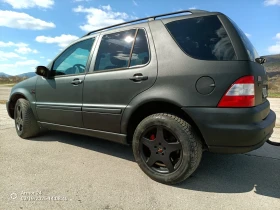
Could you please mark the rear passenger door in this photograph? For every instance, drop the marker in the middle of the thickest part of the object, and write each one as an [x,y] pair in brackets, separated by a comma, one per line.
[123,66]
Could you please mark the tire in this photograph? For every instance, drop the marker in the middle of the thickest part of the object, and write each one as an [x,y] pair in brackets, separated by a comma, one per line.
[162,146]
[25,122]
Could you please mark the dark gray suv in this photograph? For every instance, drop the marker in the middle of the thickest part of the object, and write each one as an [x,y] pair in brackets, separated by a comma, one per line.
[171,85]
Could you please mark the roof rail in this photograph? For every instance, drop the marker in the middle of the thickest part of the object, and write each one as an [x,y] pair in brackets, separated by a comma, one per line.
[147,18]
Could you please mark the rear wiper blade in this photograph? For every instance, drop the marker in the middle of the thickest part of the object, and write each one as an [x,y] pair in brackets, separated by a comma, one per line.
[260,60]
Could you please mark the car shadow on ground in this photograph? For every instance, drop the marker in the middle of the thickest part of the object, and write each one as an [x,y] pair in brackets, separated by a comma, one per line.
[236,174]
[86,142]
[217,173]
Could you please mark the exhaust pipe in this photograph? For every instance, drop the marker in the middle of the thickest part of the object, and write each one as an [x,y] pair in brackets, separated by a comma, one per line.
[273,143]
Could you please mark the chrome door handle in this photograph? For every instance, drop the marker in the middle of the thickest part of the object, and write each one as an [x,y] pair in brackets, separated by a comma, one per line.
[138,77]
[76,82]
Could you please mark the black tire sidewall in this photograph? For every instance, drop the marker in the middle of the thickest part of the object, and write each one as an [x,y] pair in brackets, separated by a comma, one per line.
[171,124]
[30,127]
[18,103]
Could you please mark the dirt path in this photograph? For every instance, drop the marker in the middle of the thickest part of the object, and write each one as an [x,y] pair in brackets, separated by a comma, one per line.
[4,92]
[275,106]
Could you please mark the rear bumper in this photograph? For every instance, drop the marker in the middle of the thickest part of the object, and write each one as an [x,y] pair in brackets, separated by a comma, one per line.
[234,130]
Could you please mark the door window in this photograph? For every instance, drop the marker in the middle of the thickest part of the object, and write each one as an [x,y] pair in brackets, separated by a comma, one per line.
[114,50]
[74,59]
[117,51]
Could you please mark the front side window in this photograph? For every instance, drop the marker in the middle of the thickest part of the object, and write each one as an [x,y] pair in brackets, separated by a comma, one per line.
[74,59]
[117,50]
[202,38]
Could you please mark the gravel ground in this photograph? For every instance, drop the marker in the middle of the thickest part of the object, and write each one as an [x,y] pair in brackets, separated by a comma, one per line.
[89,173]
[4,92]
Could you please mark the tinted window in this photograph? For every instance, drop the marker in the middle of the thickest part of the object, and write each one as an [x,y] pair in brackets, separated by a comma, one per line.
[252,53]
[202,38]
[114,50]
[74,59]
[140,54]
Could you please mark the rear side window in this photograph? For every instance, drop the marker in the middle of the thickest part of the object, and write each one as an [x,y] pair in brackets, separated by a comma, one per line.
[202,38]
[252,53]
[117,50]
[140,54]
[114,50]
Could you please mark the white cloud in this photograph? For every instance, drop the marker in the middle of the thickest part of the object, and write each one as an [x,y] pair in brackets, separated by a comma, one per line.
[21,20]
[21,48]
[275,49]
[12,44]
[19,67]
[271,2]
[100,17]
[135,3]
[24,4]
[62,41]
[21,63]
[192,8]
[248,35]
[108,7]
[25,50]
[4,56]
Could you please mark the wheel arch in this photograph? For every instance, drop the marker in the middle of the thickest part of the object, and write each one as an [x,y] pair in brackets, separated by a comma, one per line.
[133,116]
[14,98]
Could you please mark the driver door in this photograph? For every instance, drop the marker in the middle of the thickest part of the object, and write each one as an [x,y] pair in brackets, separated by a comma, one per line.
[59,99]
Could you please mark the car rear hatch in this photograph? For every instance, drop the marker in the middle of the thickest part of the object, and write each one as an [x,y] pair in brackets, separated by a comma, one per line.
[217,59]
[258,70]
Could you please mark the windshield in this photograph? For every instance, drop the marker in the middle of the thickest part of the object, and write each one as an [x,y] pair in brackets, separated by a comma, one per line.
[252,53]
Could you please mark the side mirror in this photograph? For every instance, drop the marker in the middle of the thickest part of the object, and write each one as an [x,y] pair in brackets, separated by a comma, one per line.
[43,71]
[260,60]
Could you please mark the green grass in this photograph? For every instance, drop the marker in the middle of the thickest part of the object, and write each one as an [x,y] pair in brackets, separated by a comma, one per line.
[274,94]
[7,85]
[3,102]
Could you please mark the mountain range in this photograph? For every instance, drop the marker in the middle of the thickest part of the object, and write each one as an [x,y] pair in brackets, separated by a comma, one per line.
[28,75]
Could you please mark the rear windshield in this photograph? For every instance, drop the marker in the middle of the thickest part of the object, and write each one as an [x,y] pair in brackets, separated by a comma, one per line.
[252,53]
[202,38]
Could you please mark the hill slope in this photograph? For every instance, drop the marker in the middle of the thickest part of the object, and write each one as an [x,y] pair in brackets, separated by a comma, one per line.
[4,75]
[27,74]
[272,65]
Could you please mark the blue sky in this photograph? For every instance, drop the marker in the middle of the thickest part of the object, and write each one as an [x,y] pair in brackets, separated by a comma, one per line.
[33,32]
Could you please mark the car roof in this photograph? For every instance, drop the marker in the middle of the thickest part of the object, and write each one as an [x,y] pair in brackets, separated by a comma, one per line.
[151,18]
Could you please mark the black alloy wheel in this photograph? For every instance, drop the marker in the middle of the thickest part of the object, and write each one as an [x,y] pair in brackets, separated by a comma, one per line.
[19,118]
[161,150]
[166,148]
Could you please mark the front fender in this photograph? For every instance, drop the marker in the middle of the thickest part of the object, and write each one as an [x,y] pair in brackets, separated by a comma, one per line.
[25,89]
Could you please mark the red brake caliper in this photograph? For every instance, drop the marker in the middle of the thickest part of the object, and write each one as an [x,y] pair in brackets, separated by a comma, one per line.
[152,137]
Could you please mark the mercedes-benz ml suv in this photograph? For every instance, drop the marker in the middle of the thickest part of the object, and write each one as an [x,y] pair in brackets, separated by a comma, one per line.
[172,85]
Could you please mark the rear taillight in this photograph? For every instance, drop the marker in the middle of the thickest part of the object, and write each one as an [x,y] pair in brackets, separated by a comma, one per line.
[240,94]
